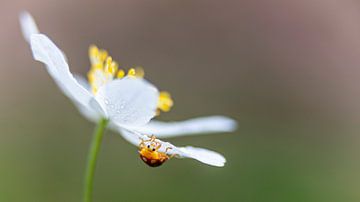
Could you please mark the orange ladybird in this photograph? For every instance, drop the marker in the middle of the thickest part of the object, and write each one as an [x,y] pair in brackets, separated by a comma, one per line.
[150,154]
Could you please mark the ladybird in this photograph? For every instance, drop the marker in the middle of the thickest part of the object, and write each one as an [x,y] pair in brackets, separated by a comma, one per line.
[150,154]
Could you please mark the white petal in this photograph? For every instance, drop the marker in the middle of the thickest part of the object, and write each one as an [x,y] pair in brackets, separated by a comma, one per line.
[202,125]
[89,113]
[44,50]
[132,137]
[128,102]
[28,25]
[83,82]
[203,155]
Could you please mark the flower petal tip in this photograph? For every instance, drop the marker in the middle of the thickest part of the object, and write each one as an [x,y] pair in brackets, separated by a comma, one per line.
[205,156]
[28,25]
[231,124]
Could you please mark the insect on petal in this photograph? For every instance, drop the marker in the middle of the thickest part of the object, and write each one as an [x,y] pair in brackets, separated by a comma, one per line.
[203,155]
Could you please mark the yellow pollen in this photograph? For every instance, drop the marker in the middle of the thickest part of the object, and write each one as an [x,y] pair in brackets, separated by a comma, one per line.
[120,74]
[139,72]
[111,66]
[131,73]
[108,61]
[93,51]
[164,102]
[103,55]
[104,69]
[99,66]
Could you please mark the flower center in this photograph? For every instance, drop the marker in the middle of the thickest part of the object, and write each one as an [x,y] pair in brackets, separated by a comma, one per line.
[104,69]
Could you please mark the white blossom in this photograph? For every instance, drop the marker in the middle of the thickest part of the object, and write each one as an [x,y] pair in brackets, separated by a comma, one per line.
[129,101]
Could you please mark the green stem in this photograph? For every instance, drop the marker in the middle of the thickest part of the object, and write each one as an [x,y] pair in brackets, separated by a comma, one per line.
[92,157]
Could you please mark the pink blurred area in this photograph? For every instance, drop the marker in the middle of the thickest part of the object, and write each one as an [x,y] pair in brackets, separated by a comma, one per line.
[287,71]
[300,54]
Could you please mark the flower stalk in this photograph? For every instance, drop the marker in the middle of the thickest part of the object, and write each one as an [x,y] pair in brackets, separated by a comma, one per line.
[92,158]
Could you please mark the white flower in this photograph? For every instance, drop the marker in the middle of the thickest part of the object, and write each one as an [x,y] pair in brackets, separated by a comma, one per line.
[128,101]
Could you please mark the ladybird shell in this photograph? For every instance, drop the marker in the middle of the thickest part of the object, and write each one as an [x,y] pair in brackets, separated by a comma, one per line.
[152,162]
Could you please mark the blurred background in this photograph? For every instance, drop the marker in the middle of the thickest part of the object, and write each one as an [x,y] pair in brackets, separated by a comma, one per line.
[287,71]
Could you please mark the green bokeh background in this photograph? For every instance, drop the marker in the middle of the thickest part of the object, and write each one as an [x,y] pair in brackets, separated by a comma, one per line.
[287,71]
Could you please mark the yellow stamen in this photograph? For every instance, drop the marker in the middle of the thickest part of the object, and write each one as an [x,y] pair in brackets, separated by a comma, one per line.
[165,102]
[104,69]
[93,51]
[110,66]
[120,74]
[131,73]
[99,66]
[103,55]
[139,72]
[113,67]
[108,61]
[94,90]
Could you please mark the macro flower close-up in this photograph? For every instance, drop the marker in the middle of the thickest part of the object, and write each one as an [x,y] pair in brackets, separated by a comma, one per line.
[126,102]
[179,101]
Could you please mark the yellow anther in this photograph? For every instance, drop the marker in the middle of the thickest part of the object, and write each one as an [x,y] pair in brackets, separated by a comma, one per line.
[120,74]
[110,66]
[94,89]
[98,66]
[93,51]
[113,67]
[132,73]
[165,102]
[108,61]
[139,72]
[104,69]
[97,56]
[103,55]
[91,77]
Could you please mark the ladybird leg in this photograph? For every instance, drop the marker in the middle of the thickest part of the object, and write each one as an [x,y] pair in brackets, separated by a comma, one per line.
[164,158]
[173,155]
[153,141]
[142,143]
[152,138]
[158,146]
[147,140]
[167,149]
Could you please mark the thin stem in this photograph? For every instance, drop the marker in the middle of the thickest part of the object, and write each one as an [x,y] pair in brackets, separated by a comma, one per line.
[92,157]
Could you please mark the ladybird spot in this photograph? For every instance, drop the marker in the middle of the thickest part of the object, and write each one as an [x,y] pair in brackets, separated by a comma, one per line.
[153,149]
